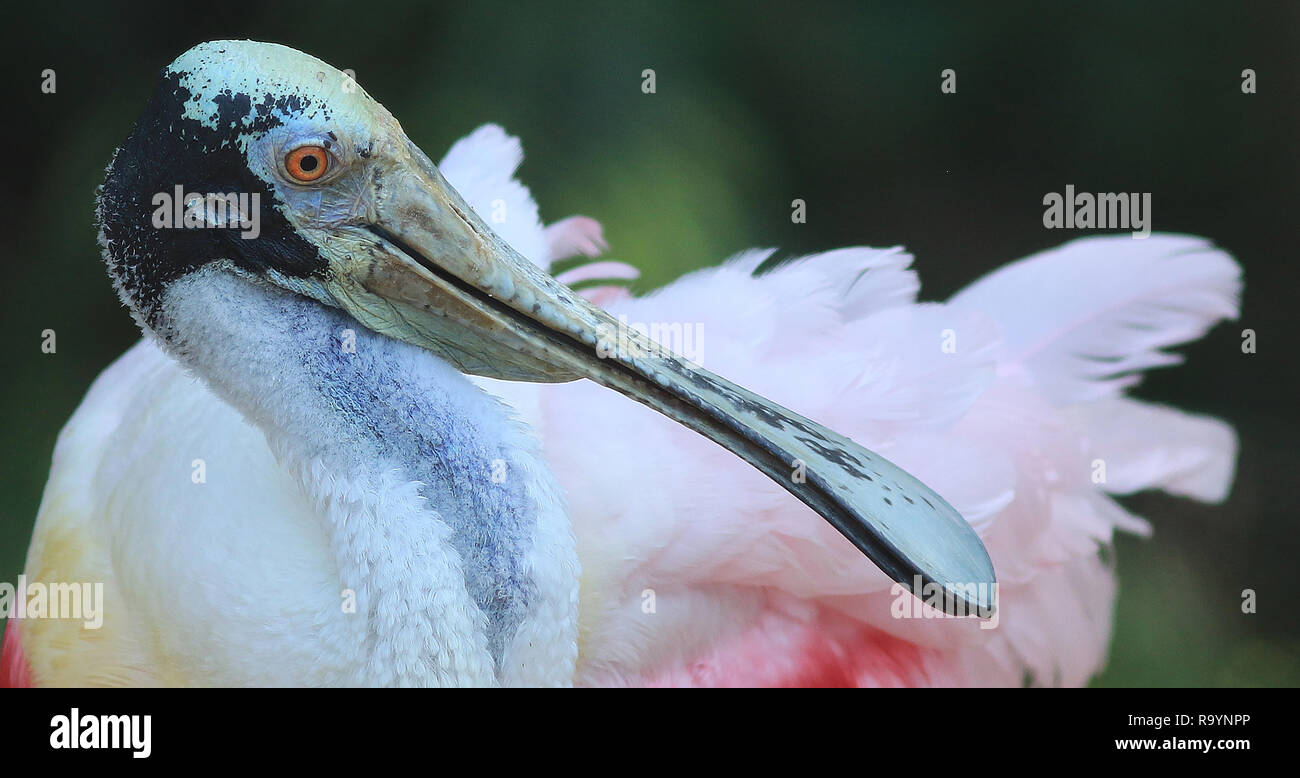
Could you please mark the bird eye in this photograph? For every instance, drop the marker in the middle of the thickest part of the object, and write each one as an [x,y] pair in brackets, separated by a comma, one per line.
[307,163]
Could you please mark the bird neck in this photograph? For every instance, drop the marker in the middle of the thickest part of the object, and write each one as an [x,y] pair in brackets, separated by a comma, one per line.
[447,528]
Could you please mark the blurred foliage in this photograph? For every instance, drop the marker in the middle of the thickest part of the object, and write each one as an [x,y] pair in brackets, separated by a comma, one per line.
[757,104]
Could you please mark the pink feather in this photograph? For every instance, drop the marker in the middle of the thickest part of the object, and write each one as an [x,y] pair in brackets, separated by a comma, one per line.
[751,588]
[14,673]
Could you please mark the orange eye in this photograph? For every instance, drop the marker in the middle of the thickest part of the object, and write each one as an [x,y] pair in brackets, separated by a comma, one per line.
[307,163]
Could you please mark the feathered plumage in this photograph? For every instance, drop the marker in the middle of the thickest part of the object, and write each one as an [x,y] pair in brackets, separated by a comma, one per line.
[697,570]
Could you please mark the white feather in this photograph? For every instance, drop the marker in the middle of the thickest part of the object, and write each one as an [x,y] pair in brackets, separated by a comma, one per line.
[1085,318]
[1147,446]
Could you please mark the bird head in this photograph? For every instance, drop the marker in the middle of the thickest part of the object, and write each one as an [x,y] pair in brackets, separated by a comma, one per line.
[278,167]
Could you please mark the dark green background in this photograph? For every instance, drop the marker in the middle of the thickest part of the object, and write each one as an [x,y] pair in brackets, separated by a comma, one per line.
[757,104]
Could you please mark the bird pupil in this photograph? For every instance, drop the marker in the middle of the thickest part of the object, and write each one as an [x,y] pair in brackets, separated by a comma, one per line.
[309,163]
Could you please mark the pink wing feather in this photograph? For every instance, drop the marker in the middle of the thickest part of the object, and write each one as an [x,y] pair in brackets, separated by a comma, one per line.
[703,572]
[697,570]
[14,673]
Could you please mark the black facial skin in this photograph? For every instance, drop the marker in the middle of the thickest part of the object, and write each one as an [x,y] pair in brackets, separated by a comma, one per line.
[165,149]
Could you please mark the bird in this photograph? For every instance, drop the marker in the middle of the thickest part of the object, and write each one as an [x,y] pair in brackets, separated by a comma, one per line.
[368,437]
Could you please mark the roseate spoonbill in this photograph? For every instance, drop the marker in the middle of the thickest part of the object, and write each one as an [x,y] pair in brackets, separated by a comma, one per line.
[291,480]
